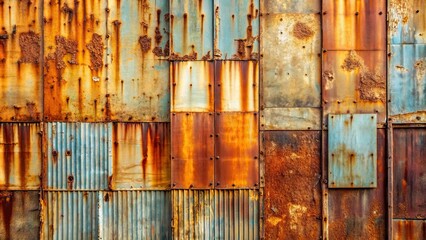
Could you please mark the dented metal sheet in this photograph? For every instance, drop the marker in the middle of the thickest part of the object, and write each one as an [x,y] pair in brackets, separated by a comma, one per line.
[78,156]
[290,119]
[20,61]
[354,82]
[20,156]
[192,86]
[407,83]
[237,150]
[409,171]
[19,215]
[354,25]
[407,21]
[237,86]
[74,58]
[192,150]
[352,151]
[292,184]
[291,6]
[191,30]
[236,25]
[409,229]
[141,156]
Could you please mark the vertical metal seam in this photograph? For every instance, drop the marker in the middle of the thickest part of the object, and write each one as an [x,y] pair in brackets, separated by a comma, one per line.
[390,179]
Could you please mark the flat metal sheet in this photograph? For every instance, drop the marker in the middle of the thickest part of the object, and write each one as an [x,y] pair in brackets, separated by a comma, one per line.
[409,229]
[407,21]
[291,6]
[352,151]
[290,119]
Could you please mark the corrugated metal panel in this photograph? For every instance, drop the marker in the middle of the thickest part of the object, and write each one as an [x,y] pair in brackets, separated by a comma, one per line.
[20,156]
[354,25]
[407,83]
[236,29]
[192,86]
[409,156]
[354,82]
[407,21]
[290,119]
[135,215]
[20,57]
[237,150]
[74,52]
[409,229]
[352,151]
[19,215]
[78,155]
[191,29]
[292,184]
[141,156]
[192,150]
[291,6]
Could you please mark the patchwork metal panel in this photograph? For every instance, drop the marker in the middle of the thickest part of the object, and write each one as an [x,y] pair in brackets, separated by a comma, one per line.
[290,119]
[74,58]
[352,151]
[291,6]
[354,25]
[135,215]
[192,86]
[141,156]
[407,83]
[191,30]
[237,86]
[354,82]
[409,161]
[192,150]
[237,150]
[20,156]
[236,29]
[78,156]
[291,77]
[407,21]
[21,96]
[20,215]
[292,184]
[409,229]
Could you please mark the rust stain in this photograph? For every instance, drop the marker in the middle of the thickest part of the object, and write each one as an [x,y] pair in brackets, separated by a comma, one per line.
[8,153]
[30,47]
[24,152]
[96,49]
[145,43]
[329,78]
[399,12]
[70,182]
[352,62]
[245,46]
[6,201]
[420,69]
[68,11]
[206,57]
[302,31]
[189,57]
[63,47]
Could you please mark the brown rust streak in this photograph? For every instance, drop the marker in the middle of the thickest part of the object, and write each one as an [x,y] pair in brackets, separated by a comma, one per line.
[245,46]
[24,132]
[8,154]
[6,201]
[302,31]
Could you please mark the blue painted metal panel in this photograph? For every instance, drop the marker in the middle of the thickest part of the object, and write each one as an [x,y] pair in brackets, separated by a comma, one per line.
[407,21]
[352,151]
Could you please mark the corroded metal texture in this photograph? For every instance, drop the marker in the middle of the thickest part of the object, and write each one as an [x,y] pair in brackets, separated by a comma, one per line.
[291,6]
[407,83]
[236,86]
[354,25]
[290,119]
[20,61]
[236,25]
[237,150]
[191,30]
[20,156]
[409,156]
[407,21]
[352,151]
[409,229]
[192,150]
[78,156]
[292,184]
[141,156]
[354,82]
[192,86]
[19,217]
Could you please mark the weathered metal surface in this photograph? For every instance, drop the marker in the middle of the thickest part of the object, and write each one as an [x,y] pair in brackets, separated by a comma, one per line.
[135,215]
[354,82]
[236,150]
[20,156]
[290,119]
[407,83]
[409,157]
[74,58]
[20,58]
[290,6]
[407,21]
[352,151]
[409,229]
[291,70]
[191,30]
[192,86]
[354,25]
[19,217]
[292,184]
[361,213]
[141,156]
[78,156]
[192,150]
[236,25]
[236,86]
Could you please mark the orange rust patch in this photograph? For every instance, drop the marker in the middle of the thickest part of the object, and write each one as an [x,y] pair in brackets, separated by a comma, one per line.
[302,31]
[190,57]
[352,62]
[30,47]
[372,86]
[145,43]
[63,47]
[96,49]
[206,57]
